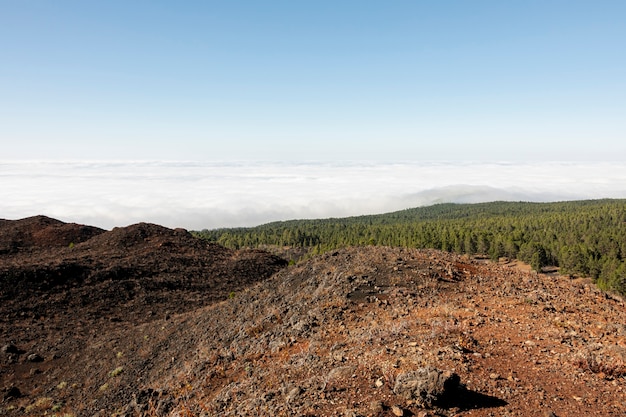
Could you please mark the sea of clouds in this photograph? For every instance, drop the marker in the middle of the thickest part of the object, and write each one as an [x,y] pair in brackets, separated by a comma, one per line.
[210,195]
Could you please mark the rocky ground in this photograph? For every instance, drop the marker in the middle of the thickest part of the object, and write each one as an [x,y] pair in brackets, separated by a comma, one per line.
[148,321]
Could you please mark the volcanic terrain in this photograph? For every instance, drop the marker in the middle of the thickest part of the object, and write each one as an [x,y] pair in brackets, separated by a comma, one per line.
[149,321]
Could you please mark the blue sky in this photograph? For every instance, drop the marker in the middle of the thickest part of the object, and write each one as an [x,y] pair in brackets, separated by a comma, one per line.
[313,80]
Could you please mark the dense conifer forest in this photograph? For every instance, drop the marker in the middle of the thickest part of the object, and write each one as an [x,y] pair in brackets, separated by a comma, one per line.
[584,238]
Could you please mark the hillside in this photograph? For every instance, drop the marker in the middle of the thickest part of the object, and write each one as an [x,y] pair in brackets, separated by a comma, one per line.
[200,330]
[65,287]
[584,238]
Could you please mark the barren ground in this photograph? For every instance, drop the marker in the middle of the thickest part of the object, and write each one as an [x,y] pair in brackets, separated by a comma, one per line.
[149,321]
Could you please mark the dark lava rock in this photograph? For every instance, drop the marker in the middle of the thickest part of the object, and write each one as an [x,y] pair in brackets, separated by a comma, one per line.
[10,393]
[126,270]
[42,232]
[10,349]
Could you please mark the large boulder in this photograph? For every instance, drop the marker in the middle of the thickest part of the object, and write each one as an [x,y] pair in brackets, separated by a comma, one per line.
[426,386]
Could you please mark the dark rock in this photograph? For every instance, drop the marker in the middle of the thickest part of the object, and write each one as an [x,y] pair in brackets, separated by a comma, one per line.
[11,393]
[146,399]
[426,386]
[10,348]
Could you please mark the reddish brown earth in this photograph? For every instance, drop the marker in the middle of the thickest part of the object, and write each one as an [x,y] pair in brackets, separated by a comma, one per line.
[148,321]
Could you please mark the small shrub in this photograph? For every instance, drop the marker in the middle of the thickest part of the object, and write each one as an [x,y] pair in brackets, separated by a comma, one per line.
[43,403]
[116,371]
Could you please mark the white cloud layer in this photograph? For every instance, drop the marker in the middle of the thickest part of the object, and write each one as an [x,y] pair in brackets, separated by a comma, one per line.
[210,195]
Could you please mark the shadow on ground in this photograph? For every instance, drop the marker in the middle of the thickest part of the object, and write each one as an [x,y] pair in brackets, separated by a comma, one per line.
[466,399]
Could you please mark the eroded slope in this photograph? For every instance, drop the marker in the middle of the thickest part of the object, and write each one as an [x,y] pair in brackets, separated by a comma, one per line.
[335,335]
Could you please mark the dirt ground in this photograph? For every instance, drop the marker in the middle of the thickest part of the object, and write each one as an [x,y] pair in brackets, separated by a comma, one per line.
[148,321]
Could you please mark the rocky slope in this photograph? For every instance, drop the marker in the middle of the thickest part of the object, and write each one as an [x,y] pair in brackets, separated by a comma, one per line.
[369,331]
[65,288]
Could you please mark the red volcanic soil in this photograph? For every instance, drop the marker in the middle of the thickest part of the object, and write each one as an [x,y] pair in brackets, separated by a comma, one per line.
[149,321]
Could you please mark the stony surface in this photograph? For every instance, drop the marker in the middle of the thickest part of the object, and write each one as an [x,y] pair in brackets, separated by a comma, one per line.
[337,335]
[427,386]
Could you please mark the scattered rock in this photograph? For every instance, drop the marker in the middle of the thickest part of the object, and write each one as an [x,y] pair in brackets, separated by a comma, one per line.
[293,393]
[397,411]
[34,357]
[341,372]
[284,346]
[149,400]
[426,386]
[376,407]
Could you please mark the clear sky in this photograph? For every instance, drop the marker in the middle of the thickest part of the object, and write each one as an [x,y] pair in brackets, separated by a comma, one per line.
[313,80]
